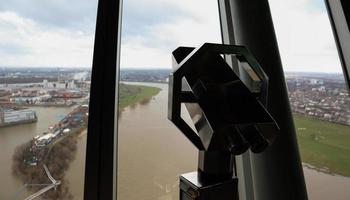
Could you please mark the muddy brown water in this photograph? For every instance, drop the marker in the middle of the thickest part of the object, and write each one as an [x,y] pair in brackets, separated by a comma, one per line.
[152,154]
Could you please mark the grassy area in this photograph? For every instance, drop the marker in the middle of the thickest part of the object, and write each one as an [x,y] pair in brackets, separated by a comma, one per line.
[131,94]
[324,144]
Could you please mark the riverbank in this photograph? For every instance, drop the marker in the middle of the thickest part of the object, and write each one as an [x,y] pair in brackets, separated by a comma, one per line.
[131,94]
[323,144]
[151,155]
[61,151]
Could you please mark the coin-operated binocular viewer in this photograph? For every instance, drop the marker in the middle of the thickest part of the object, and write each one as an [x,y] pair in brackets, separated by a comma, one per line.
[228,111]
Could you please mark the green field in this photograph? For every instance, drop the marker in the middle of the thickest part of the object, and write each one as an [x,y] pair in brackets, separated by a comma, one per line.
[324,145]
[131,94]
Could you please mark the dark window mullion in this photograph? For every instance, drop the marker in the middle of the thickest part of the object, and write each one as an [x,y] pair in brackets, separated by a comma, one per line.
[101,152]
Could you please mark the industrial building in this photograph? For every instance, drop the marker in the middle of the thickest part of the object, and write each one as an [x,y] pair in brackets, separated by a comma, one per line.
[13,116]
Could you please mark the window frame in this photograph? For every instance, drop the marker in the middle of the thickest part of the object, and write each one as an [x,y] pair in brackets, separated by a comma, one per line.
[102,138]
[101,151]
[242,162]
[341,31]
[263,173]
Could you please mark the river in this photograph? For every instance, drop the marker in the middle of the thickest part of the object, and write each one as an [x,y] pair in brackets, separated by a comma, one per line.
[10,137]
[152,154]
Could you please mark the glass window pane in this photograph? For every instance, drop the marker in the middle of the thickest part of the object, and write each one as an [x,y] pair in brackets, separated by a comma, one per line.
[318,96]
[46,52]
[152,151]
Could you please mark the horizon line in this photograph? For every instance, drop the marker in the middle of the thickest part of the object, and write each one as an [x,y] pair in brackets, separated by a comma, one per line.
[145,68]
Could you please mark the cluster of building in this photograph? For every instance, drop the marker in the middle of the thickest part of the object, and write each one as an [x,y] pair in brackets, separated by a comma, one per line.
[39,87]
[44,94]
[320,97]
[21,89]
[14,100]
[74,122]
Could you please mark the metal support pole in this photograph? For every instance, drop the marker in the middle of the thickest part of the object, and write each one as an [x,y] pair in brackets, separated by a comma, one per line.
[277,173]
[243,165]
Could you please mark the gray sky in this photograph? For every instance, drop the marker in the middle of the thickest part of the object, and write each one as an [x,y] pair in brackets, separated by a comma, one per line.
[60,33]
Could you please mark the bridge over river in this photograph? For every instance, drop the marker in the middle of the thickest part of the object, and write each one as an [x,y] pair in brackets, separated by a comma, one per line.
[53,185]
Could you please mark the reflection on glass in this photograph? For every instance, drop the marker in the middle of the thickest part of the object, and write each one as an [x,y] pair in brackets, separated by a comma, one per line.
[252,79]
[45,70]
[152,152]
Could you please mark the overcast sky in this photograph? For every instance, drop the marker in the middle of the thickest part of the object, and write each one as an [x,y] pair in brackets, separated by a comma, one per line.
[60,33]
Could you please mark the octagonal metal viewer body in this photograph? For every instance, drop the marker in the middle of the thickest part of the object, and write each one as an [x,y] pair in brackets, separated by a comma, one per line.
[228,112]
